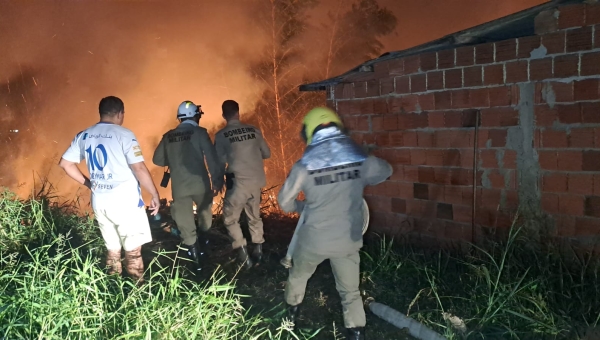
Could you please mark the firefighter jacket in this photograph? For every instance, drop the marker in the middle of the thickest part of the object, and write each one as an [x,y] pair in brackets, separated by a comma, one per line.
[333,202]
[242,148]
[185,150]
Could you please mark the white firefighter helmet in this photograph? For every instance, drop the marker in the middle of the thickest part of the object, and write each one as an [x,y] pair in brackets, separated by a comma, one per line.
[188,109]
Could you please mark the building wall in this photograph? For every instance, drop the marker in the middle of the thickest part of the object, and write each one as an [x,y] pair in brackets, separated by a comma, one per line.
[537,145]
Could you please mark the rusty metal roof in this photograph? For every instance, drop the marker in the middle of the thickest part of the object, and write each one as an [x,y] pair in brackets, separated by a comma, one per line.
[520,24]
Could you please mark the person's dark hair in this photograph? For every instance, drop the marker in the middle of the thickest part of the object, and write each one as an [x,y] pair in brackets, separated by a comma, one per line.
[110,106]
[230,109]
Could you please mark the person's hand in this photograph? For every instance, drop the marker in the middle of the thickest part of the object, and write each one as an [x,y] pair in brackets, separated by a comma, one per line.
[154,205]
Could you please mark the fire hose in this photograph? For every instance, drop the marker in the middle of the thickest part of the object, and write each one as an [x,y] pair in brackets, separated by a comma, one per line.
[287,260]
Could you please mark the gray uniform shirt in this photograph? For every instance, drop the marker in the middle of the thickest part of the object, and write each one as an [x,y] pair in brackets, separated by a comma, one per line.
[184,150]
[333,206]
[243,148]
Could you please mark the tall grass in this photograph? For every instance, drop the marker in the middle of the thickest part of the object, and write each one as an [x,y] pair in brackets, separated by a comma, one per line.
[53,286]
[501,291]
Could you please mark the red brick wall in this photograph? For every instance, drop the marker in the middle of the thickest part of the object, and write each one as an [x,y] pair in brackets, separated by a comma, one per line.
[420,112]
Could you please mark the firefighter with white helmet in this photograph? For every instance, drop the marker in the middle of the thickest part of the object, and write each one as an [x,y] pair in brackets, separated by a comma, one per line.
[184,150]
[332,174]
[242,149]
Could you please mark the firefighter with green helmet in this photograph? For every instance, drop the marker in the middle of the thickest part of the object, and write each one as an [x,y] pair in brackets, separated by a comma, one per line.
[185,150]
[332,174]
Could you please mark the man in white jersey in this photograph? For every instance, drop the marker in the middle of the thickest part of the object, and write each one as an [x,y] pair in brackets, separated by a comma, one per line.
[117,169]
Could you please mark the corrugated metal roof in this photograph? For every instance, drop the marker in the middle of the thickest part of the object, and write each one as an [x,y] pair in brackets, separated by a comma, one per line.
[520,24]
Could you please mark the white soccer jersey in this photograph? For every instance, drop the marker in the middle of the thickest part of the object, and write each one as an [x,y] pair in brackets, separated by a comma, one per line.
[108,150]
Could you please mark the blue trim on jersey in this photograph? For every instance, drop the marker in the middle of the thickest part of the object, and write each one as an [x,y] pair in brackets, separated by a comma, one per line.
[141,201]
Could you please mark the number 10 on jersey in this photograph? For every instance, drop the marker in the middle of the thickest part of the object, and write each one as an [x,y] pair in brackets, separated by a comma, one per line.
[97,158]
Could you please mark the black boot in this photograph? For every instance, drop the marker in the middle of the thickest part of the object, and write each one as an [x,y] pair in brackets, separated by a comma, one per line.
[292,314]
[193,253]
[203,246]
[356,333]
[243,257]
[257,252]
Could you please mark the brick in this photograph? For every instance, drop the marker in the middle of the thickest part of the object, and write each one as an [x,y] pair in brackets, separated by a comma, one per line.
[365,106]
[569,160]
[582,138]
[427,101]
[453,78]
[571,16]
[597,37]
[585,226]
[382,139]
[407,103]
[452,195]
[548,160]
[565,225]
[510,159]
[554,42]
[453,119]
[497,179]
[344,91]
[590,112]
[487,158]
[540,69]
[418,157]
[451,157]
[597,185]
[443,100]
[497,137]
[402,156]
[490,198]
[479,98]
[386,86]
[550,202]
[546,21]
[412,121]
[412,64]
[402,84]
[418,83]
[544,115]
[373,88]
[527,45]
[426,175]
[500,96]
[435,119]
[360,89]
[411,174]
[390,122]
[592,206]
[410,138]
[461,99]
[444,211]
[571,204]
[452,139]
[579,39]
[462,213]
[587,89]
[504,116]
[466,158]
[590,63]
[554,139]
[428,61]
[436,192]
[516,72]
[554,182]
[424,139]
[592,14]
[506,50]
[396,67]
[445,59]
[435,157]
[465,56]
[484,54]
[569,114]
[473,76]
[566,66]
[398,205]
[493,74]
[591,161]
[580,184]
[563,92]
[380,105]
[435,80]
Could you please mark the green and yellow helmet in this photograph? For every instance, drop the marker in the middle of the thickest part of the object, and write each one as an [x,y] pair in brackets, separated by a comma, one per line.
[317,117]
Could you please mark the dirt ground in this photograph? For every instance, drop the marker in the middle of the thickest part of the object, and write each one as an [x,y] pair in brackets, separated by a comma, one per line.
[264,284]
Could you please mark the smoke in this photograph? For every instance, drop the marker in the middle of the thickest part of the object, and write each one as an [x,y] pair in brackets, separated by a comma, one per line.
[61,57]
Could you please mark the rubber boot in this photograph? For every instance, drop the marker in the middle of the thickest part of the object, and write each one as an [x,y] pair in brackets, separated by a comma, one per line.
[203,246]
[193,254]
[356,333]
[257,252]
[243,258]
[134,265]
[292,314]
[113,262]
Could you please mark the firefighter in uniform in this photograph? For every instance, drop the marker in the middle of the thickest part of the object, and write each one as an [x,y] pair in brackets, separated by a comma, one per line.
[184,150]
[332,173]
[242,149]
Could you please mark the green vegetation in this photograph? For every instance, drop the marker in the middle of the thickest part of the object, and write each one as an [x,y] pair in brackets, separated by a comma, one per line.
[53,286]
